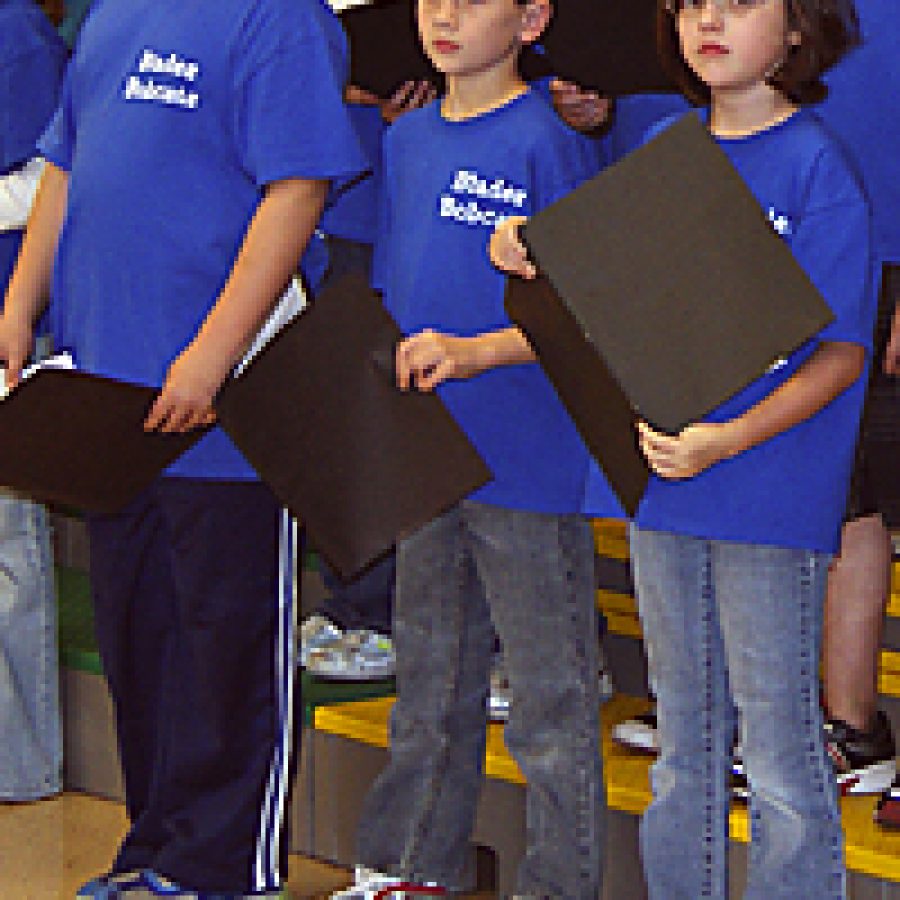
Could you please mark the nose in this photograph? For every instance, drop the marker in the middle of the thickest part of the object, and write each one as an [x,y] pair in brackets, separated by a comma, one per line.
[445,12]
[711,16]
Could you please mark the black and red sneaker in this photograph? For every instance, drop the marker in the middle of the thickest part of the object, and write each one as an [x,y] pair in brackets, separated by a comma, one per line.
[887,813]
[863,760]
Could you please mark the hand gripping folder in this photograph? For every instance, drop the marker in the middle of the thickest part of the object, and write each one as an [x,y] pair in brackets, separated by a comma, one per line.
[77,439]
[319,417]
[665,292]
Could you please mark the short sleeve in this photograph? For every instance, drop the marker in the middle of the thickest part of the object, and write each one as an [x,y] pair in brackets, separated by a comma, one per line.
[290,116]
[833,244]
[29,91]
[562,163]
[57,144]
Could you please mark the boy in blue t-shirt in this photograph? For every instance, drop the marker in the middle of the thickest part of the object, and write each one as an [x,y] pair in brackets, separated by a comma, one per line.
[188,166]
[516,555]
[32,60]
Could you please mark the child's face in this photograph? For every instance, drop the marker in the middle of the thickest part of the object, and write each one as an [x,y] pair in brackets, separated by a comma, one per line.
[472,37]
[734,46]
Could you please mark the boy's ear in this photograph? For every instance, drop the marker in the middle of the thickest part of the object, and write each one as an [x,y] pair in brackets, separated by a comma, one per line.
[536,17]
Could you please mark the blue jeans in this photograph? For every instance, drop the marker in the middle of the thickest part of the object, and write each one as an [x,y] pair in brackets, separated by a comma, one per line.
[30,732]
[530,576]
[733,632]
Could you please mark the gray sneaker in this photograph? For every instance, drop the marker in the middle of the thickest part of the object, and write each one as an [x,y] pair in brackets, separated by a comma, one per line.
[500,697]
[316,633]
[360,655]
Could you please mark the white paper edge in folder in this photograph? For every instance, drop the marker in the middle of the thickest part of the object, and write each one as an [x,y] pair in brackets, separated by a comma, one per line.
[57,361]
[292,303]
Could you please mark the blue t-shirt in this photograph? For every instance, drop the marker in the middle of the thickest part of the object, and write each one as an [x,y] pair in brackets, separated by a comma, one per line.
[634,115]
[790,491]
[173,120]
[32,60]
[862,111]
[446,186]
[352,212]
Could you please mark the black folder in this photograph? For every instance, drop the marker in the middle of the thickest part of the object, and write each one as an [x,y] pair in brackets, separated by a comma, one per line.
[608,45]
[384,46]
[667,285]
[318,415]
[77,439]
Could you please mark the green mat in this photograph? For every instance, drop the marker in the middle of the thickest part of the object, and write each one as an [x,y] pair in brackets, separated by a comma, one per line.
[77,645]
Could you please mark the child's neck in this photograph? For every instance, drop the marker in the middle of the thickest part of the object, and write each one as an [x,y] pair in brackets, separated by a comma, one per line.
[738,113]
[474,94]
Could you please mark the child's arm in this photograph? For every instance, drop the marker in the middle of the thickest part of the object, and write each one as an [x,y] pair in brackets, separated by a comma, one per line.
[826,374]
[410,95]
[430,357]
[580,108]
[274,242]
[892,353]
[29,288]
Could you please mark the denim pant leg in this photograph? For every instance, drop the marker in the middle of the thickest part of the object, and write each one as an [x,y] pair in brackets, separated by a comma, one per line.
[771,606]
[684,832]
[418,817]
[538,572]
[31,743]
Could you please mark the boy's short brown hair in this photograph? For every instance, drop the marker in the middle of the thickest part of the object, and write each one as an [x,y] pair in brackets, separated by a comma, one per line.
[828,30]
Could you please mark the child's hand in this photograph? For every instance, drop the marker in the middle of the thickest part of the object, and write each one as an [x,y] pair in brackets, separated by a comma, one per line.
[426,359]
[16,337]
[410,95]
[892,353]
[507,251]
[688,453]
[580,109]
[185,400]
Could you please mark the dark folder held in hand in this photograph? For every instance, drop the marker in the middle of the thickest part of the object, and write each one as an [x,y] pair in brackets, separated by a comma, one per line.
[77,439]
[608,45]
[668,287]
[385,49]
[318,415]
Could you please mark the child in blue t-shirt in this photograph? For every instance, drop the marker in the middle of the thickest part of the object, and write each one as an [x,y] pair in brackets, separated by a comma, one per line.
[347,637]
[32,59]
[732,540]
[516,555]
[188,165]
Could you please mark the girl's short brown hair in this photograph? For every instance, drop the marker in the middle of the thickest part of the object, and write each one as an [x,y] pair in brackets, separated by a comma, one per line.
[828,30]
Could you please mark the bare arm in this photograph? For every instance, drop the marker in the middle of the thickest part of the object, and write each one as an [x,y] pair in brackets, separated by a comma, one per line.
[892,353]
[275,240]
[430,357]
[29,288]
[826,374]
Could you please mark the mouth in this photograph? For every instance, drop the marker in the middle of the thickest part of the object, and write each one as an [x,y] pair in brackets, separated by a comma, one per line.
[445,46]
[713,49]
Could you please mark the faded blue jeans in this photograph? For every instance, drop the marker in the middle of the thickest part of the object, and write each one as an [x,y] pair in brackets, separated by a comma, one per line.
[30,733]
[733,632]
[530,576]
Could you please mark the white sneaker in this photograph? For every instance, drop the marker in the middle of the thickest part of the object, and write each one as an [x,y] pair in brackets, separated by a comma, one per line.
[367,884]
[317,632]
[359,655]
